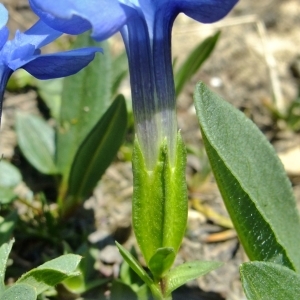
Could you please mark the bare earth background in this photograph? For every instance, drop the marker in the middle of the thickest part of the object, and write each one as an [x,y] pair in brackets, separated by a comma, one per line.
[260,41]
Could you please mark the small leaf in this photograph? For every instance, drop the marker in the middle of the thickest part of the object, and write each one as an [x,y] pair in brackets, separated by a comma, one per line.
[265,280]
[7,226]
[19,292]
[10,176]
[136,267]
[85,98]
[4,254]
[98,150]
[194,61]
[161,262]
[134,264]
[188,271]
[127,275]
[36,140]
[252,181]
[52,272]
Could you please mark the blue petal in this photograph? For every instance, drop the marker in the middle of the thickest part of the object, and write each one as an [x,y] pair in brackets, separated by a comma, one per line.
[104,17]
[16,56]
[3,36]
[3,16]
[205,11]
[25,46]
[61,16]
[39,35]
[60,64]
[3,29]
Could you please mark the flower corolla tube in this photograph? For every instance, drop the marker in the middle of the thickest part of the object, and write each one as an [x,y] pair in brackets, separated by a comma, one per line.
[146,27]
[24,52]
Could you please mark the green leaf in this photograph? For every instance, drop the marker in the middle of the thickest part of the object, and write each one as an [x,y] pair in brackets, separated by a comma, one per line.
[85,98]
[188,271]
[161,262]
[36,140]
[19,292]
[10,176]
[194,61]
[7,226]
[50,92]
[98,150]
[265,280]
[4,254]
[127,275]
[88,278]
[134,264]
[252,181]
[159,209]
[51,273]
[136,267]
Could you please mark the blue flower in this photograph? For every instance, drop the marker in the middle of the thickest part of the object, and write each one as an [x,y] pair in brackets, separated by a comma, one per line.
[146,29]
[24,52]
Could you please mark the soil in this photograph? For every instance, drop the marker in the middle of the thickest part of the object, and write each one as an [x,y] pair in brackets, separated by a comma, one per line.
[250,68]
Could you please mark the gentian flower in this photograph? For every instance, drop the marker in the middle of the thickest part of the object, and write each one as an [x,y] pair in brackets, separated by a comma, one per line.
[146,27]
[24,52]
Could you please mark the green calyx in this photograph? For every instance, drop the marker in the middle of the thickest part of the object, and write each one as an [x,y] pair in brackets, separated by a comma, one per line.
[160,206]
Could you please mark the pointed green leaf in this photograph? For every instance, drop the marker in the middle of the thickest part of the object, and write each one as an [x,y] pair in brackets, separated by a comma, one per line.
[19,292]
[85,98]
[10,176]
[134,264]
[252,181]
[194,61]
[136,267]
[127,275]
[187,272]
[4,254]
[98,150]
[51,273]
[265,280]
[36,140]
[159,209]
[161,262]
